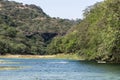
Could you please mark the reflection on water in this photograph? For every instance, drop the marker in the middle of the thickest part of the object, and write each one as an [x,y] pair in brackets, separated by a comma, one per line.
[53,69]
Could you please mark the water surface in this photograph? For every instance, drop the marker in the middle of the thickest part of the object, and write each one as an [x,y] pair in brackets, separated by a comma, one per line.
[53,69]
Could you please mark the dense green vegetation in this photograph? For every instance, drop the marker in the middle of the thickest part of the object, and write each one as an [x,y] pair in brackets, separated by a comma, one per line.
[96,37]
[26,29]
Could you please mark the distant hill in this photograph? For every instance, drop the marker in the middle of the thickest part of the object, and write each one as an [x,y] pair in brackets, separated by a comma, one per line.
[26,29]
[97,37]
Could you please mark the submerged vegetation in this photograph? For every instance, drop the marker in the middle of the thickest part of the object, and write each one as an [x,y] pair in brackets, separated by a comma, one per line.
[9,68]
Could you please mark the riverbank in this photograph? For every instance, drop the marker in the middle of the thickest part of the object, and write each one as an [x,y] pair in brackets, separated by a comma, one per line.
[26,56]
[58,56]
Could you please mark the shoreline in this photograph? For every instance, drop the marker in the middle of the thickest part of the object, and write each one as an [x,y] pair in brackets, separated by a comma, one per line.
[58,56]
[27,56]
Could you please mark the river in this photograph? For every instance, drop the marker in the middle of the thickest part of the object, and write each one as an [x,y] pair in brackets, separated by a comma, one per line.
[59,69]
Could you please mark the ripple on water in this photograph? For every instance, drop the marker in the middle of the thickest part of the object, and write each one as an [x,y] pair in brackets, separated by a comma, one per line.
[59,62]
[46,69]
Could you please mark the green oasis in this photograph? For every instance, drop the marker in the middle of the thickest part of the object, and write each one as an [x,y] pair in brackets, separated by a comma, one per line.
[95,37]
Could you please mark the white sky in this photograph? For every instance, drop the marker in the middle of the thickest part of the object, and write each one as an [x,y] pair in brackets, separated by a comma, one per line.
[70,9]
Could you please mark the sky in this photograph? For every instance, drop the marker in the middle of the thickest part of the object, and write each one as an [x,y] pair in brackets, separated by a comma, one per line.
[69,9]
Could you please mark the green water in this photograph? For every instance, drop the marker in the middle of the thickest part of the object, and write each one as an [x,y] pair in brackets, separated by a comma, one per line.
[53,69]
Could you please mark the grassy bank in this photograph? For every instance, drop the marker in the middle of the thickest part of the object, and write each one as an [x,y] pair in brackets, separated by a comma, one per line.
[58,56]
[69,56]
[26,56]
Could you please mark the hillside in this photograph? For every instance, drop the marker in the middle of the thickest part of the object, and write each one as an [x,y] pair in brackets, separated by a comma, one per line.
[97,37]
[26,29]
